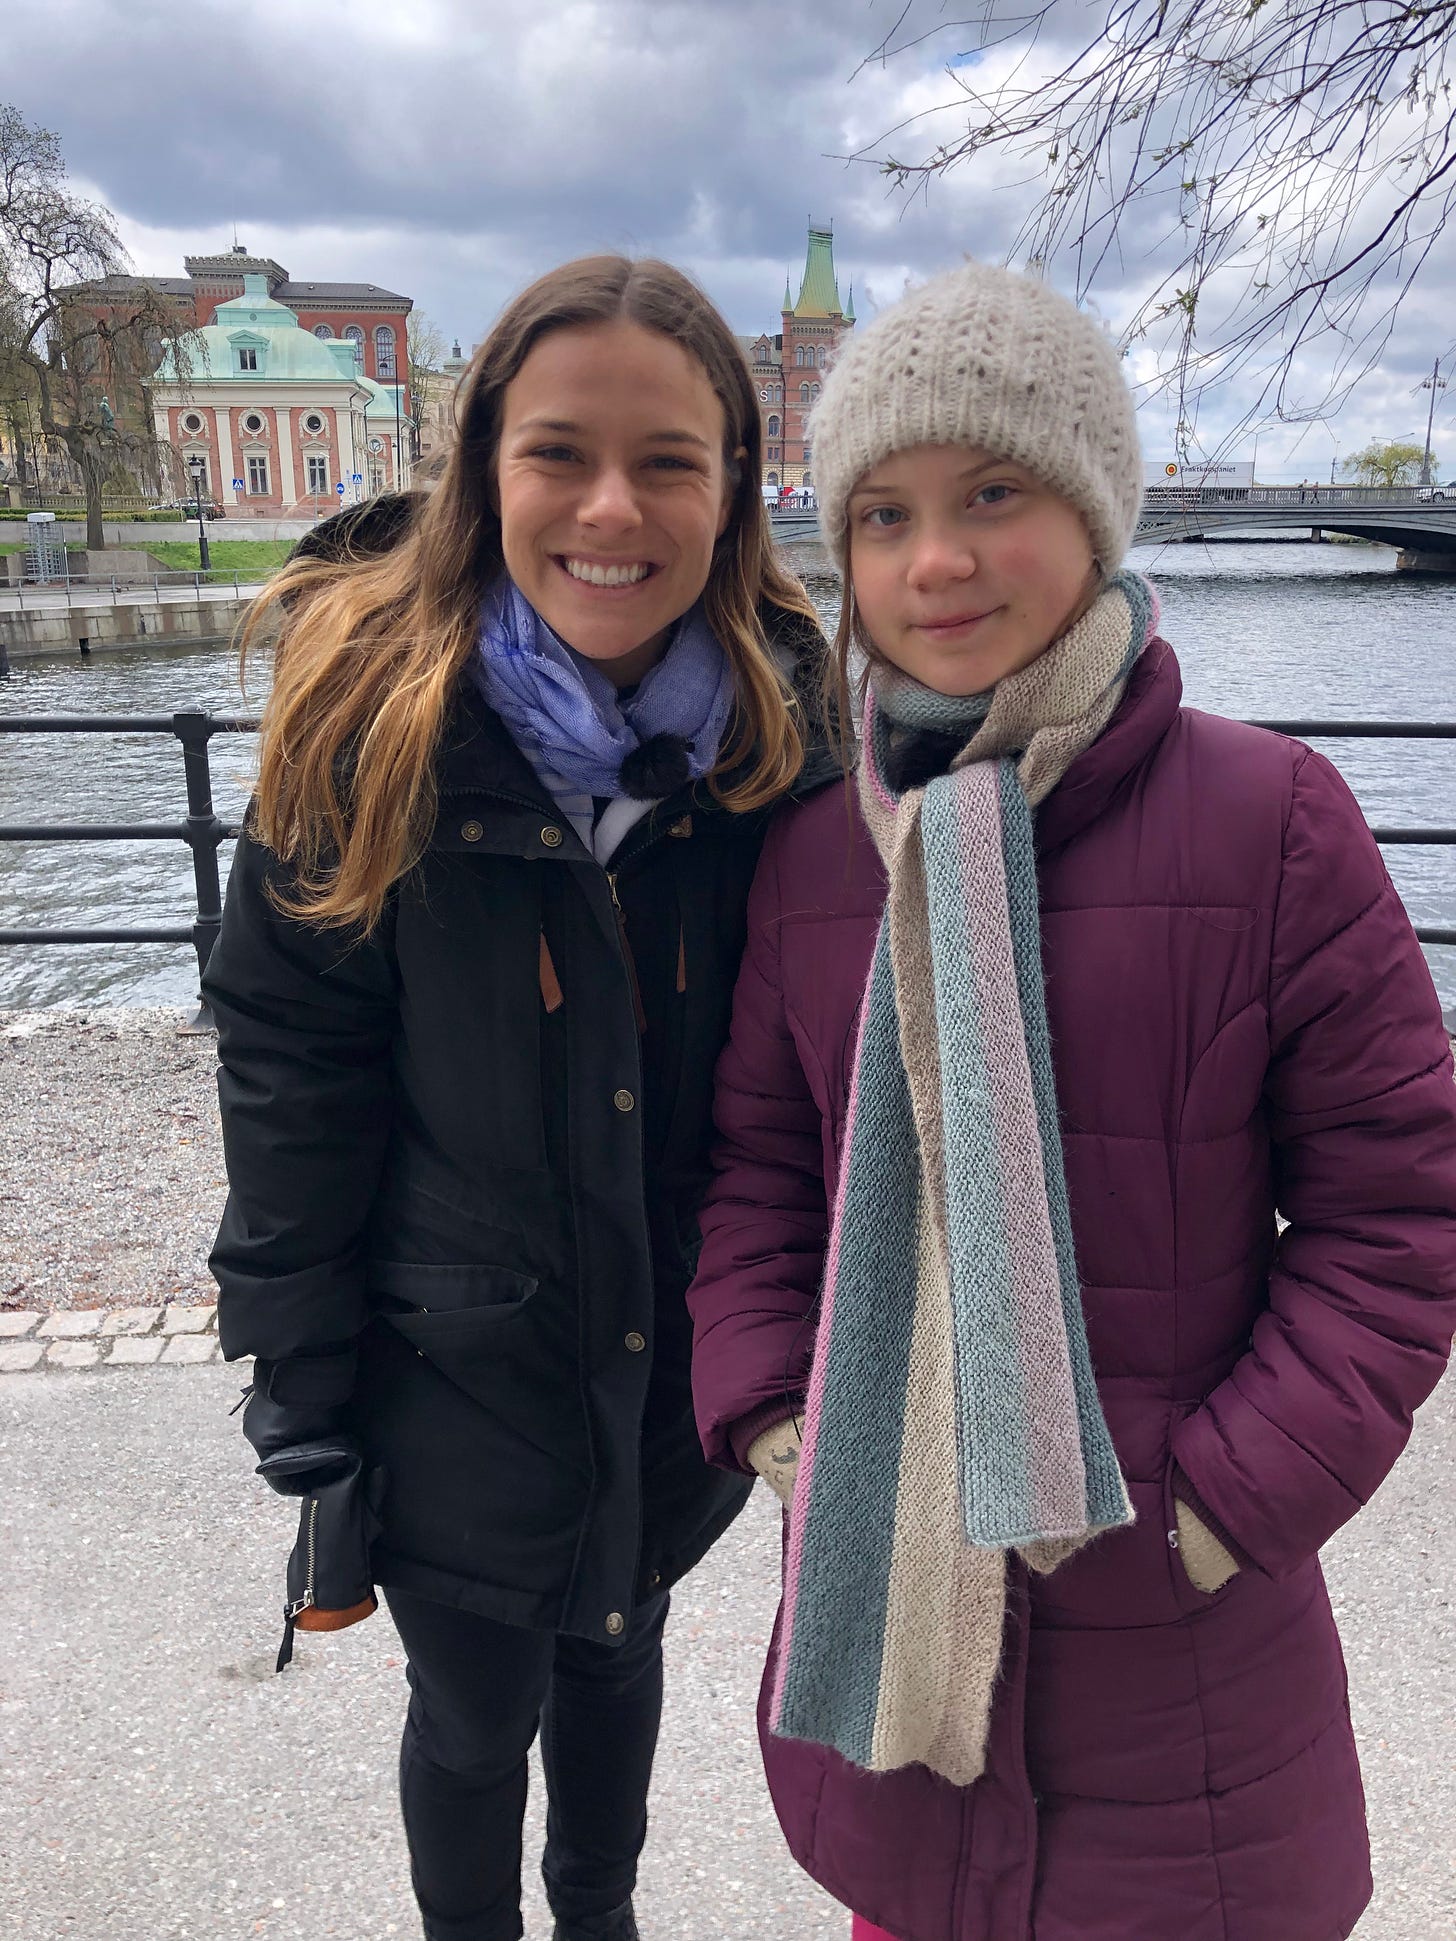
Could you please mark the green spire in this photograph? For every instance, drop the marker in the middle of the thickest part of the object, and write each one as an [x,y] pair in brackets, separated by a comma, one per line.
[788,302]
[849,307]
[819,291]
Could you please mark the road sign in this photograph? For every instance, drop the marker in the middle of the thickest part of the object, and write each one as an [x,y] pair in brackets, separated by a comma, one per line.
[339,488]
[356,478]
[237,485]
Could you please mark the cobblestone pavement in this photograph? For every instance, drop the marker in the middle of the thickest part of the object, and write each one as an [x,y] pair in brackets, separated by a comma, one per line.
[125,1337]
[160,1784]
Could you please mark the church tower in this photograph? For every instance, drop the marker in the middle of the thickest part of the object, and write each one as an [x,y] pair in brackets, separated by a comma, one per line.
[813,328]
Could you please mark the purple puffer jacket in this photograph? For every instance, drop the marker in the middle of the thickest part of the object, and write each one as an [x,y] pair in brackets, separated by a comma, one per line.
[1241,1020]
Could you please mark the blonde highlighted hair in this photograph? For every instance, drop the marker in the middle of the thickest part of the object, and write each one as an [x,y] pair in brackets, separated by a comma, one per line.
[368,650]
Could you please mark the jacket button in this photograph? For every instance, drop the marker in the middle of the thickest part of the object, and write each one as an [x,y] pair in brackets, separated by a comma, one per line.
[654,1578]
[551,836]
[616,1624]
[636,1342]
[471,831]
[623,1101]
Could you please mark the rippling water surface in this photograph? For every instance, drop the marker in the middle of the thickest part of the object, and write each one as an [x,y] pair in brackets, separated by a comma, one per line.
[1270,631]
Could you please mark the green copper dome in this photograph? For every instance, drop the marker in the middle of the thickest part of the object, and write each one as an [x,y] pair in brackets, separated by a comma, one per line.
[256,340]
[819,291]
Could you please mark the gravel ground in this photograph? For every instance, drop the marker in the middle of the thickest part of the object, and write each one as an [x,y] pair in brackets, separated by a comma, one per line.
[111,1179]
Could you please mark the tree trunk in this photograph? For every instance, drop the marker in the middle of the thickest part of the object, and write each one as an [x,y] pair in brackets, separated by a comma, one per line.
[95,531]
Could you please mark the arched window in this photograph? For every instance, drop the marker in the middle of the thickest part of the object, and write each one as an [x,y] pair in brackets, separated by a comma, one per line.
[823,357]
[799,355]
[773,427]
[772,478]
[803,394]
[813,390]
[355,336]
[383,350]
[323,330]
[807,479]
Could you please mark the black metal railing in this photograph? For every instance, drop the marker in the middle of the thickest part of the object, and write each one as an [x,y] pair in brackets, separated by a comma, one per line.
[41,595]
[202,831]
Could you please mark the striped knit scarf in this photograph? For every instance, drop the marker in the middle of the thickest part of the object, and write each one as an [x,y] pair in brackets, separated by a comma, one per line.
[952,1412]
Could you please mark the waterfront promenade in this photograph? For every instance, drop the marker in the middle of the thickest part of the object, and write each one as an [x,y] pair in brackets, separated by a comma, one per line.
[162,1785]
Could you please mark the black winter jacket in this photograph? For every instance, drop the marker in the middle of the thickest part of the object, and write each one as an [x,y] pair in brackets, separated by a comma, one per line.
[452,1146]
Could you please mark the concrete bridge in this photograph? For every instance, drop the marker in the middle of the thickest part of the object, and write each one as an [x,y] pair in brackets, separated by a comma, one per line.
[1421,524]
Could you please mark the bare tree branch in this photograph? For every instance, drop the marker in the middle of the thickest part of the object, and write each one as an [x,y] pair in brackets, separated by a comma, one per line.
[79,339]
[1295,158]
[426,348]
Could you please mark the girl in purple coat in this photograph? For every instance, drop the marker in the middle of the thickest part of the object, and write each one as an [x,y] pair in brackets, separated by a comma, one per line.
[1039,1040]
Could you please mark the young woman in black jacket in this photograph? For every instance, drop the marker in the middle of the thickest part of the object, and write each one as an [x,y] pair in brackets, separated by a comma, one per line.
[475,969]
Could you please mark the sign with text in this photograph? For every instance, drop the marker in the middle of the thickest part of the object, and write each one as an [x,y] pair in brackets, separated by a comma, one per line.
[1198,476]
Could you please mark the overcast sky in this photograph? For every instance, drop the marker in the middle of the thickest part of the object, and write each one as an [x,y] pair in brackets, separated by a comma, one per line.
[452,151]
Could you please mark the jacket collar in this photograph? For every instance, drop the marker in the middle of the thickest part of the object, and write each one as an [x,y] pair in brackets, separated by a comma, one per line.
[478,756]
[1143,716]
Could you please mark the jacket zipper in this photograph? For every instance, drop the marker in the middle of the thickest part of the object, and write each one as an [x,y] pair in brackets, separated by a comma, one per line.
[638,1009]
[302,1603]
[296,1606]
[634,855]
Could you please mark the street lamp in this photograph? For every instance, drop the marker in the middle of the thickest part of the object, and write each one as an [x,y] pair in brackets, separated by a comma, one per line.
[1434,383]
[196,467]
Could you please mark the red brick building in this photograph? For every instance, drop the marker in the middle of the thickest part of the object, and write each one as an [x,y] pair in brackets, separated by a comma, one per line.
[788,365]
[374,321]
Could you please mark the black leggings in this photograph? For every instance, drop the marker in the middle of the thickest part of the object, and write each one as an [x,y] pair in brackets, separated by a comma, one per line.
[478,1691]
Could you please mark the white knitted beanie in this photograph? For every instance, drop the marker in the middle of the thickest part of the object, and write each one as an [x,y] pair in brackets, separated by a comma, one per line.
[985,357]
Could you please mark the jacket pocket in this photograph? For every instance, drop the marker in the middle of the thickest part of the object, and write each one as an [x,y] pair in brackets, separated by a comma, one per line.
[435,1291]
[1186,1594]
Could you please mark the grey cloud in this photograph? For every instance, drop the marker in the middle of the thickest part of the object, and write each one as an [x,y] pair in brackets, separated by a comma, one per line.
[455,150]
[705,130]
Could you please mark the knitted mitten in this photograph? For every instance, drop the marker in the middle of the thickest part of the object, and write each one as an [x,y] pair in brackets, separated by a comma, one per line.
[1207,1562]
[775,1456]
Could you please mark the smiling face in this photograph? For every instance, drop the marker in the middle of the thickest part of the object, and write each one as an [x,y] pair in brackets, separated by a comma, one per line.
[612,489]
[965,567]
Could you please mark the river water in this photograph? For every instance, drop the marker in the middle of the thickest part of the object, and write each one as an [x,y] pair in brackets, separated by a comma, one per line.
[1269,631]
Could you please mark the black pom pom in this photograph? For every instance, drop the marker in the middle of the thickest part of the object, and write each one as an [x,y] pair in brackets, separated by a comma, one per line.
[656,767]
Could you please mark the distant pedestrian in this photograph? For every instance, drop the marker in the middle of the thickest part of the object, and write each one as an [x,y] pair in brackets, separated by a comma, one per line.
[475,969]
[1033,1040]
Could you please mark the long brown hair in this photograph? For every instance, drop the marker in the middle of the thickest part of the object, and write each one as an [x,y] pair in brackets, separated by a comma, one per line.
[368,651]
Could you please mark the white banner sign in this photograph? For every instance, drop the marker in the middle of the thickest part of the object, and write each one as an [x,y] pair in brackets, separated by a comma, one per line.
[1196,476]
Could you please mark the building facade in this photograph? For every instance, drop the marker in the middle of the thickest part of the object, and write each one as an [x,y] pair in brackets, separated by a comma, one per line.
[788,365]
[435,407]
[372,321]
[284,422]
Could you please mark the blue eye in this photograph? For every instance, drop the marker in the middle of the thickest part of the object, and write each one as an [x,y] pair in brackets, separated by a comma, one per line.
[994,494]
[883,517]
[672,463]
[553,453]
